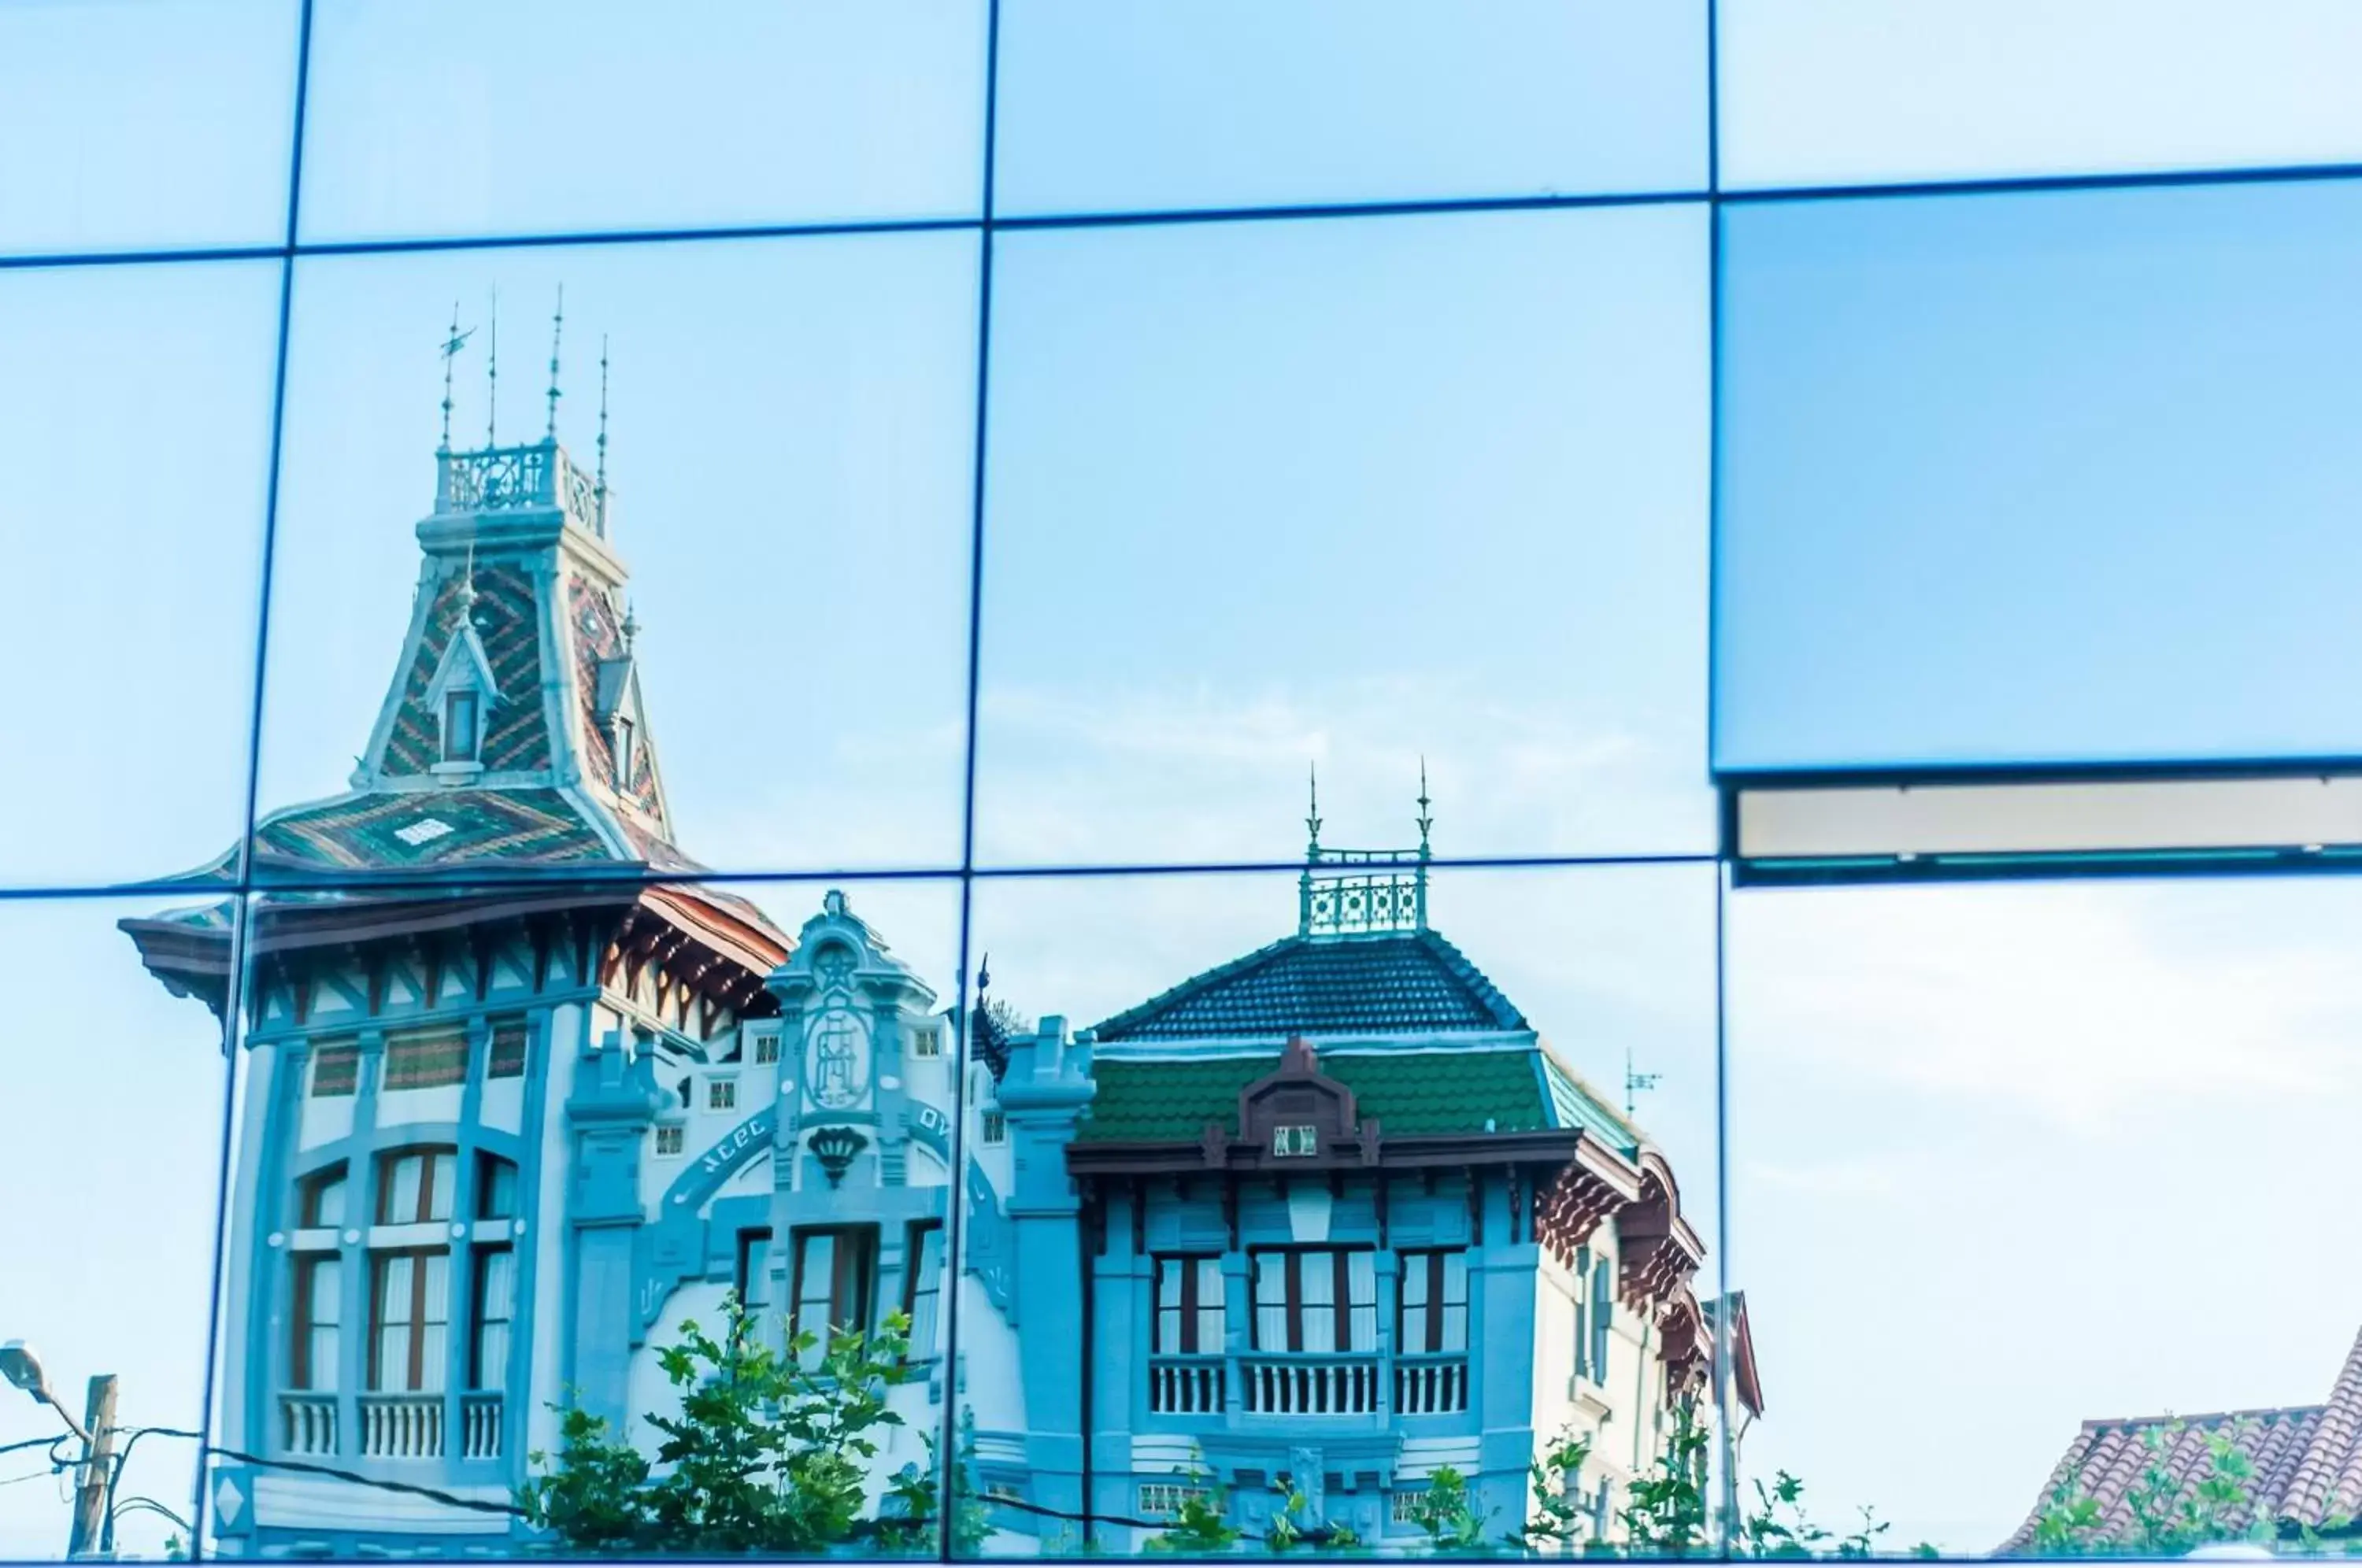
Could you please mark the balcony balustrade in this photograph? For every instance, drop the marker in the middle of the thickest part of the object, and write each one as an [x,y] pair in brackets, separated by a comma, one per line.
[1186,1384]
[402,1426]
[1293,1386]
[1431,1385]
[308,1423]
[480,1426]
[1312,1384]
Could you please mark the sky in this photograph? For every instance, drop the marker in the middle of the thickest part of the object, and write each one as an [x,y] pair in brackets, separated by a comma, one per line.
[2001,476]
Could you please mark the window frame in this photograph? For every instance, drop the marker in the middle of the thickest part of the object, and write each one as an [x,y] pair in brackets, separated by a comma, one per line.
[431,1156]
[853,1264]
[404,1068]
[754,1243]
[303,1368]
[1433,1311]
[478,1320]
[1298,1313]
[422,1301]
[916,1236]
[1189,1312]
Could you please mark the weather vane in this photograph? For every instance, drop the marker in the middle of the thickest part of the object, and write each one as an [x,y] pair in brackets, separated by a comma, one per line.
[1636,1083]
[451,347]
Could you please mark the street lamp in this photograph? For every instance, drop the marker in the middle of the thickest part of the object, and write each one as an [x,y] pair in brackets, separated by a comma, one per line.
[20,1365]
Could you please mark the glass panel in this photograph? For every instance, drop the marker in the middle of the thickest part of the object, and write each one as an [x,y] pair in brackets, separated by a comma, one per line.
[135,427]
[1134,1015]
[425,118]
[1839,91]
[2012,1087]
[144,124]
[2039,478]
[797,413]
[1235,103]
[1347,494]
[111,1161]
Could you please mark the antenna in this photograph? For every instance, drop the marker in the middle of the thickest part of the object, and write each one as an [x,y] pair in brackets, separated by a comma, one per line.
[1636,1083]
[492,379]
[451,347]
[556,333]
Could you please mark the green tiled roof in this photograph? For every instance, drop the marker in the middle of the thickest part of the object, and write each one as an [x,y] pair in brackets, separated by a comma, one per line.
[1409,982]
[1576,1107]
[1408,1093]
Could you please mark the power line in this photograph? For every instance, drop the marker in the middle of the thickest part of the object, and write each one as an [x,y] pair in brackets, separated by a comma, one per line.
[35,1443]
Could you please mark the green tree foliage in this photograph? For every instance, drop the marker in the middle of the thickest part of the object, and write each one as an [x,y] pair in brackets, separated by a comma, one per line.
[1665,1513]
[1558,1523]
[766,1455]
[1200,1526]
[2169,1514]
[1448,1514]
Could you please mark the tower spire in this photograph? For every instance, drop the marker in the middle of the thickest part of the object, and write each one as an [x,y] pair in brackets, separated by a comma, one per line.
[451,347]
[492,379]
[557,334]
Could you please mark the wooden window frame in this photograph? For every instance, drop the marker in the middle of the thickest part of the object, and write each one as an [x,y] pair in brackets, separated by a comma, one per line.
[1431,1314]
[300,1370]
[914,1243]
[429,1156]
[416,1322]
[479,1265]
[743,1270]
[1188,1336]
[1343,1306]
[862,1267]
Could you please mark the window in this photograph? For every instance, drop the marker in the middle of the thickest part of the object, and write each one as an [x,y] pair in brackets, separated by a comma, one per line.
[752,1281]
[1405,1507]
[413,1185]
[1158,1498]
[1582,1312]
[1295,1140]
[670,1140]
[493,1306]
[1188,1306]
[320,1200]
[336,1070]
[496,1188]
[832,1285]
[927,1041]
[766,1049]
[1434,1315]
[625,753]
[506,1059]
[1316,1299]
[459,709]
[722,1094]
[319,1296]
[993,1128]
[922,1286]
[1603,1312]
[427,1059]
[407,1317]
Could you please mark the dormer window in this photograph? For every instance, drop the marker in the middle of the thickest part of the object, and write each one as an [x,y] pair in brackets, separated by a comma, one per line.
[462,714]
[626,753]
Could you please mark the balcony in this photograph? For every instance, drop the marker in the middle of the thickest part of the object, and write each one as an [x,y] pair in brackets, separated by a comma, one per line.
[402,1426]
[480,1426]
[1312,1384]
[1186,1384]
[308,1423]
[1431,1385]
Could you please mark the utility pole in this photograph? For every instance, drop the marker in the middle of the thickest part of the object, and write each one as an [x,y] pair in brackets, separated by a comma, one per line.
[98,1460]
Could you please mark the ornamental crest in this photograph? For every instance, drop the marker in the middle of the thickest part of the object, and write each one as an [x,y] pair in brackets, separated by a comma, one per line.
[836,1059]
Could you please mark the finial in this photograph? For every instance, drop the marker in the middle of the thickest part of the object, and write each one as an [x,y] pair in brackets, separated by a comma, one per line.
[556,333]
[631,626]
[602,433]
[1312,813]
[451,347]
[1425,821]
[492,379]
[468,588]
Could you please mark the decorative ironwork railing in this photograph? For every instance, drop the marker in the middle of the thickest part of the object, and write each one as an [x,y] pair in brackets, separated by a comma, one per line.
[480,1426]
[1311,1386]
[516,479]
[1386,890]
[1185,1386]
[402,1426]
[1432,1385]
[308,1423]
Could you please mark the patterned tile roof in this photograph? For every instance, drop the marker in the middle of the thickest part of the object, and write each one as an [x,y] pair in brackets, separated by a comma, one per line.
[424,828]
[518,736]
[2308,1460]
[1395,983]
[1408,1092]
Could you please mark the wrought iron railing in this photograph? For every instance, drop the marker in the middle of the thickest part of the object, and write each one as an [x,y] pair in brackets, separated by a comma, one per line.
[1431,1386]
[518,479]
[402,1426]
[308,1423]
[480,1426]
[1185,1386]
[1311,1386]
[1386,890]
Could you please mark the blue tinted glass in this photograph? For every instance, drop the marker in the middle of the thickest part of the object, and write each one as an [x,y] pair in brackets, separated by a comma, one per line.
[1248,102]
[145,123]
[791,425]
[1264,495]
[450,117]
[135,430]
[2055,477]
[1839,91]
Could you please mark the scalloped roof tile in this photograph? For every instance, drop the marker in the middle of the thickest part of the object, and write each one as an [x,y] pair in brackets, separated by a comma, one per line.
[1408,1093]
[1395,983]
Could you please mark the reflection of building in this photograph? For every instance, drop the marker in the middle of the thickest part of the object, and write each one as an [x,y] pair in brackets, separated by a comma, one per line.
[2307,1460]
[510,1112]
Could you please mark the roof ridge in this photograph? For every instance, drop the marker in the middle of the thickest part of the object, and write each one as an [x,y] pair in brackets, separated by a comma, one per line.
[1480,985]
